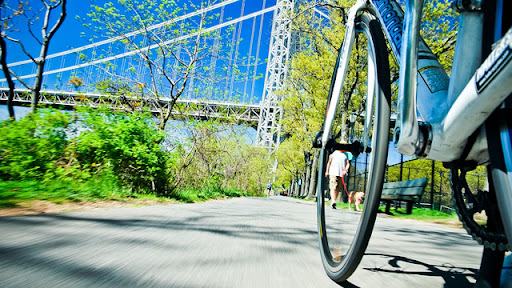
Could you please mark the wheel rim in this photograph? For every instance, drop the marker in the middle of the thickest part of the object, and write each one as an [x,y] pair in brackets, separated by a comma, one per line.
[344,234]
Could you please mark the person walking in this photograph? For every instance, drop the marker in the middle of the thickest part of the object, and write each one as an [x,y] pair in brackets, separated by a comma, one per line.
[269,188]
[337,167]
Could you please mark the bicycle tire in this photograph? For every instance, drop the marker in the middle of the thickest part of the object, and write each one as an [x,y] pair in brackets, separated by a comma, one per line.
[340,270]
[499,132]
[499,138]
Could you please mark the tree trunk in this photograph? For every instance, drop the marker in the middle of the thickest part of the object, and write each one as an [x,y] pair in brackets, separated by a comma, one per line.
[307,177]
[314,172]
[47,36]
[296,188]
[10,83]
[302,186]
[36,89]
[345,128]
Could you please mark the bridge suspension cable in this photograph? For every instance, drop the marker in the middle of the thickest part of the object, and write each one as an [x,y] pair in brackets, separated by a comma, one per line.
[134,33]
[132,68]
[133,52]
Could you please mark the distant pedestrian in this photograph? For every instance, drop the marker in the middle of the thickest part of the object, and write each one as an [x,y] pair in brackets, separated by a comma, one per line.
[337,167]
[269,188]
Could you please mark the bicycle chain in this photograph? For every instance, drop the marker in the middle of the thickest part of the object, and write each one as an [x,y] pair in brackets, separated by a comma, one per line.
[467,204]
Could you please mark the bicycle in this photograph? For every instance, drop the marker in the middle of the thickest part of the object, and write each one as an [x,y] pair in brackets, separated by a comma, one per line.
[465,120]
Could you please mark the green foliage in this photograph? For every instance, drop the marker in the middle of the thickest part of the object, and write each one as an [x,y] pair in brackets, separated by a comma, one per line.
[33,145]
[439,29]
[311,69]
[419,214]
[191,195]
[215,160]
[291,160]
[442,192]
[98,154]
[309,81]
[114,87]
[129,145]
[60,191]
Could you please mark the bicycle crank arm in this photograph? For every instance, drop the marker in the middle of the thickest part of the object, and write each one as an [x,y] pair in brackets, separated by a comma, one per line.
[408,138]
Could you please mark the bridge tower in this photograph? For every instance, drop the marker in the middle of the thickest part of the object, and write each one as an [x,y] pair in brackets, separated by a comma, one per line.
[268,133]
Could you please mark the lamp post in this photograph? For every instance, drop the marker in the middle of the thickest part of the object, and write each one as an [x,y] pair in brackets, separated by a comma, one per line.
[432,185]
[352,117]
[441,174]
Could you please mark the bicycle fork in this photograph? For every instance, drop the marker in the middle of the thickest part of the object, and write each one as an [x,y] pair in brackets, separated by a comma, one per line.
[449,124]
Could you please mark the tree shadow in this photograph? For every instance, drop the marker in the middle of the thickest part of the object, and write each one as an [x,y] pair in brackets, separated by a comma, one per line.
[348,284]
[56,232]
[453,276]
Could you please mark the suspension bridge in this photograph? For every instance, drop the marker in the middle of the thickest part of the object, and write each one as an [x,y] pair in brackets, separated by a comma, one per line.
[241,63]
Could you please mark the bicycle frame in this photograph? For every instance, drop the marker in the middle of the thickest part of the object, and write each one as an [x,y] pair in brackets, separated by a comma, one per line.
[462,114]
[391,17]
[452,109]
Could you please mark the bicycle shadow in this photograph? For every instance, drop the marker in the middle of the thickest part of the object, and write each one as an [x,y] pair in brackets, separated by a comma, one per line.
[453,276]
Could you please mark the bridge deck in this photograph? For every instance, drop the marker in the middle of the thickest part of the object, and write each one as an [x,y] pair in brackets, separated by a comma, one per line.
[246,113]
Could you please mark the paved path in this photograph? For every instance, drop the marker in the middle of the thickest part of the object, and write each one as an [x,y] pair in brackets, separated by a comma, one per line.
[247,242]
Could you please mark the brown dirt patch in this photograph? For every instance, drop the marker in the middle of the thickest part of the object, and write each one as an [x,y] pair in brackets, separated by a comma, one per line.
[453,222]
[35,207]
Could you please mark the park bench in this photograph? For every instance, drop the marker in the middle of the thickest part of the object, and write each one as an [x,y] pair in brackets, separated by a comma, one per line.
[407,191]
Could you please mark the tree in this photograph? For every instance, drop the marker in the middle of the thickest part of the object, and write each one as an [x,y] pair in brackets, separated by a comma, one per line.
[217,155]
[175,50]
[10,83]
[309,78]
[4,29]
[127,145]
[308,83]
[442,188]
[439,30]
[31,19]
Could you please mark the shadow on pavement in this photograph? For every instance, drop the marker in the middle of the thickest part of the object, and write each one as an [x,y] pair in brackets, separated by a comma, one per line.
[347,284]
[57,249]
[453,276]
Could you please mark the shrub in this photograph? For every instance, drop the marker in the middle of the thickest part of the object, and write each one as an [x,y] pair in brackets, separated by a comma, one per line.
[32,146]
[126,144]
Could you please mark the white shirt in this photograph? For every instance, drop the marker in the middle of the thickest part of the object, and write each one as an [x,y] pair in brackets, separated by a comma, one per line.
[338,163]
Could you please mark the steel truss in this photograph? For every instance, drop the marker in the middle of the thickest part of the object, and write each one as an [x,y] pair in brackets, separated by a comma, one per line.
[268,134]
[244,113]
[266,114]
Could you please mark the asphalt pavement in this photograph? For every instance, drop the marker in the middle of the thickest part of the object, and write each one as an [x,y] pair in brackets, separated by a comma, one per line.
[245,242]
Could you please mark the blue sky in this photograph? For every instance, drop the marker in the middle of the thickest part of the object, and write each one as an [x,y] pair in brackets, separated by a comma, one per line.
[70,36]
[67,36]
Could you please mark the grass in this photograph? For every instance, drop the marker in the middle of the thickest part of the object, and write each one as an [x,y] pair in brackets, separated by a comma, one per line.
[419,214]
[305,199]
[400,213]
[196,195]
[14,192]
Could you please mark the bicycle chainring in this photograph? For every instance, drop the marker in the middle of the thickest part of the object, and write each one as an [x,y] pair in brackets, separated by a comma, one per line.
[467,204]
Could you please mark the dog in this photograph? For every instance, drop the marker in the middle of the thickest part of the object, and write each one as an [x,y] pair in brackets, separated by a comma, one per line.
[356,197]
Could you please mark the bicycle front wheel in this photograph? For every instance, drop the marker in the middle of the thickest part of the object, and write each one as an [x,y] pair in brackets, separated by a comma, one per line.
[499,138]
[344,234]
